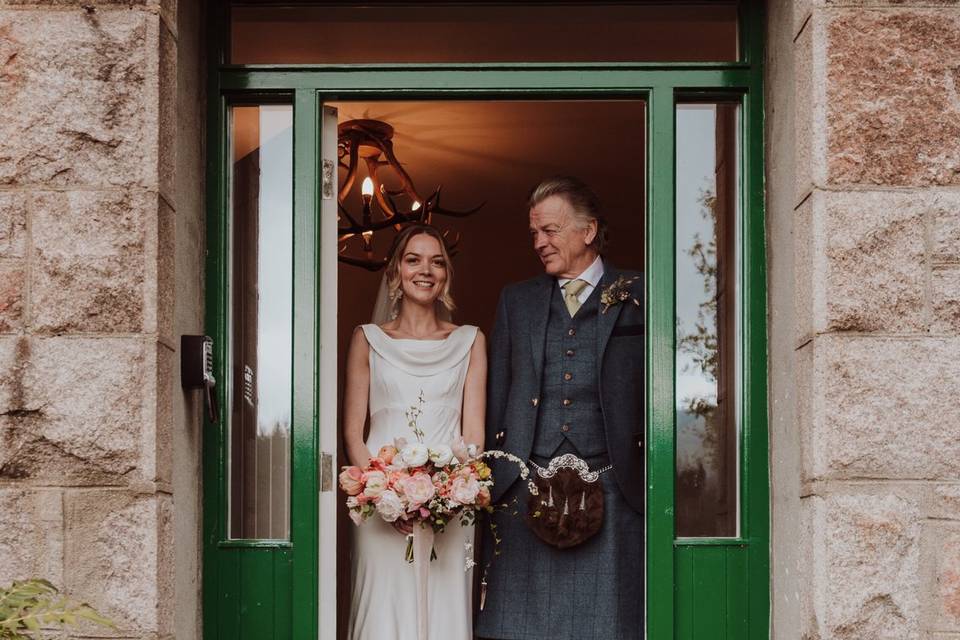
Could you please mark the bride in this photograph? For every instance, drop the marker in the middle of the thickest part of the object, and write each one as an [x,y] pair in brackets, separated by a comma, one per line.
[415,353]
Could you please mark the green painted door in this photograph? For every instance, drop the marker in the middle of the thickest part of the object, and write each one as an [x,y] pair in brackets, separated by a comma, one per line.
[261,460]
[707,544]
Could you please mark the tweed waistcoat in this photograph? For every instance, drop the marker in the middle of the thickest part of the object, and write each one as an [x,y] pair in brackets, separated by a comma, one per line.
[570,399]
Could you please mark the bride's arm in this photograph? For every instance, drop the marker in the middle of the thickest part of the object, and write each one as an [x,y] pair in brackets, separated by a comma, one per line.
[355,398]
[475,393]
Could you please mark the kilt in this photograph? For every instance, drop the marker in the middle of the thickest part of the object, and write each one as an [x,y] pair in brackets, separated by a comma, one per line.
[591,591]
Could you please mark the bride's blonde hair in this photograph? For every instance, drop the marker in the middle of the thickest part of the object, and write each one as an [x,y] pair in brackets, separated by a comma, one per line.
[445,299]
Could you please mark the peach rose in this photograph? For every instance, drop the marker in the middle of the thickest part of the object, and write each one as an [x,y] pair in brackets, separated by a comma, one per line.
[386,453]
[351,480]
[483,497]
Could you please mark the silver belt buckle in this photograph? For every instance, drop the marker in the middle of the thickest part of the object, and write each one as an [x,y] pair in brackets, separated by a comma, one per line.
[570,461]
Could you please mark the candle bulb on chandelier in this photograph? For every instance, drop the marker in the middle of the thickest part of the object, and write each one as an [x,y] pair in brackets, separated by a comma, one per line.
[366,192]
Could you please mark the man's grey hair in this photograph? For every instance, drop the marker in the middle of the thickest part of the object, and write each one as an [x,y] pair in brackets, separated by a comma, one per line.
[585,204]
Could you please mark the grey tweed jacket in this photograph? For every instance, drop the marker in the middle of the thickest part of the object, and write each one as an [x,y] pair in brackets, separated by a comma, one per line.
[516,368]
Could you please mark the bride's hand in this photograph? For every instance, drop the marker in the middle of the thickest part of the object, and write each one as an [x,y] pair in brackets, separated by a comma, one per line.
[402,526]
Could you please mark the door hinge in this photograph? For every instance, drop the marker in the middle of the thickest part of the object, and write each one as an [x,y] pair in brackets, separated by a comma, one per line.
[325,471]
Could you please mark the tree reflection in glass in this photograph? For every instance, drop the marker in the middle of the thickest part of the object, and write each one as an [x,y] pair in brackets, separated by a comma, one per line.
[706,317]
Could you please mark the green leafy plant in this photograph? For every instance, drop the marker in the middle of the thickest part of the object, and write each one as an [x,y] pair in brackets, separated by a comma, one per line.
[27,606]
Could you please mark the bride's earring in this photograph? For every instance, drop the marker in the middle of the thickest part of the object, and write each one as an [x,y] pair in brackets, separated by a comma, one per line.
[395,297]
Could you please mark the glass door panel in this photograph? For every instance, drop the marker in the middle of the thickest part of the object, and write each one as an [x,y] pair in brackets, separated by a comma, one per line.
[259,384]
[707,318]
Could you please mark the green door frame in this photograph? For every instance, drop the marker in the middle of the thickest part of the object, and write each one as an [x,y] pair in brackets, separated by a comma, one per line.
[713,588]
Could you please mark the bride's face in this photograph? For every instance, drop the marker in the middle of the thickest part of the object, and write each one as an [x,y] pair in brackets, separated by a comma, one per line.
[423,271]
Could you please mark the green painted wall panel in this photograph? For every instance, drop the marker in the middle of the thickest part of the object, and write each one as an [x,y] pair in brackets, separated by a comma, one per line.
[283,578]
[258,592]
[686,606]
[713,593]
[737,606]
[709,592]
[228,611]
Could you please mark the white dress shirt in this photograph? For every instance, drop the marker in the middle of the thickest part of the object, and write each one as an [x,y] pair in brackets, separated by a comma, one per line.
[591,276]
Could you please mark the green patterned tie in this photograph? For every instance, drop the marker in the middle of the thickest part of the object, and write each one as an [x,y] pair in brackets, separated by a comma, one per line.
[570,292]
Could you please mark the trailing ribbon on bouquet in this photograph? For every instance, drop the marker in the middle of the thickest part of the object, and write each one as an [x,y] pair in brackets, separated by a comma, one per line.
[422,550]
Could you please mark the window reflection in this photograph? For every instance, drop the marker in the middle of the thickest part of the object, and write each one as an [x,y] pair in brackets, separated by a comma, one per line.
[261,295]
[707,322]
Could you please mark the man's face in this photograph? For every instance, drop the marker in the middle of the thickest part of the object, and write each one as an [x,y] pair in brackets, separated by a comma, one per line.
[563,246]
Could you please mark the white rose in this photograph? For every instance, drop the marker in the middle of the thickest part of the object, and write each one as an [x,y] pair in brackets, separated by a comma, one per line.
[415,455]
[376,483]
[390,506]
[441,455]
[464,490]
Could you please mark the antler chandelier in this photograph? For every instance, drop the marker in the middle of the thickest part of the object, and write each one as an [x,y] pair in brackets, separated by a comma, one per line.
[371,142]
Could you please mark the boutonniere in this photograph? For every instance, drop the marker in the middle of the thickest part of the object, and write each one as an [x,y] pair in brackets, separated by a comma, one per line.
[617,292]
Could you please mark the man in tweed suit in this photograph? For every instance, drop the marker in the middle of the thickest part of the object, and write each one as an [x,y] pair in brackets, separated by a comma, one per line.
[566,376]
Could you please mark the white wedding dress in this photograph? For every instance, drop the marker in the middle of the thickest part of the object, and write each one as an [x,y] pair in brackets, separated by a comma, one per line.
[384,598]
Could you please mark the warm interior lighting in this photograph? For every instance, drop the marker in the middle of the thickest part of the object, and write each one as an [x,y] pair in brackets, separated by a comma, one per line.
[370,143]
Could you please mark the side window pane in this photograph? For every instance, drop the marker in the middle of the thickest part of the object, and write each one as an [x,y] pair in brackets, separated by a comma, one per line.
[707,319]
[261,303]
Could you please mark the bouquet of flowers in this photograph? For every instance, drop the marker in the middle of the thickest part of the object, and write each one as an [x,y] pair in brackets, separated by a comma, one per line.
[425,485]
[415,483]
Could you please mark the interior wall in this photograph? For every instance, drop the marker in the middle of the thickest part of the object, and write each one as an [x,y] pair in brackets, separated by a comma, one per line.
[188,314]
[493,153]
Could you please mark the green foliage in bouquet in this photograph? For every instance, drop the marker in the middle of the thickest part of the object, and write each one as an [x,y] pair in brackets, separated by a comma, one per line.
[29,605]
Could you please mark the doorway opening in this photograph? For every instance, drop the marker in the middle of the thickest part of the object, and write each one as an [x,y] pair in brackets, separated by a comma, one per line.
[491,153]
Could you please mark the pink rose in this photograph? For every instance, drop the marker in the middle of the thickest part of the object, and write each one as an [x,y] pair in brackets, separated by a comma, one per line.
[386,453]
[418,489]
[351,480]
[356,516]
[376,483]
[464,490]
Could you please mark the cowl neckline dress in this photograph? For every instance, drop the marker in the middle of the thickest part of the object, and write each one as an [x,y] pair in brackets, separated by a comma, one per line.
[383,599]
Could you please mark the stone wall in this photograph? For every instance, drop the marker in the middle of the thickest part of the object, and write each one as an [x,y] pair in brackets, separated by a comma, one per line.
[865,364]
[88,376]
